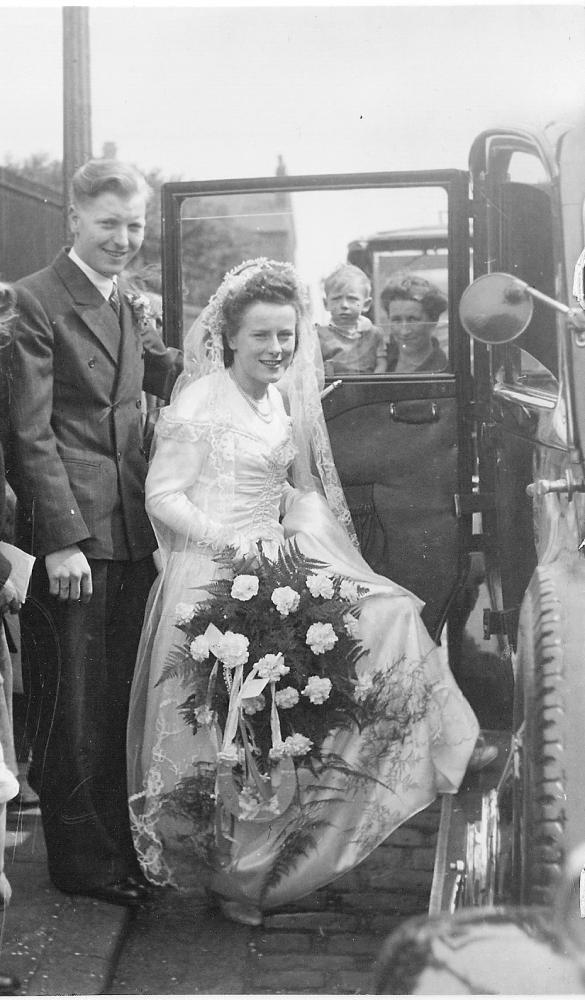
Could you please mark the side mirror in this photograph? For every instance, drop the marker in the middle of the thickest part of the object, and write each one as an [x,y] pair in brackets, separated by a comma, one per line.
[496,308]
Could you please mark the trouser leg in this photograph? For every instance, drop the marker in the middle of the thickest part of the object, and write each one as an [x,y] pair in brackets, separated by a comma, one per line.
[81,695]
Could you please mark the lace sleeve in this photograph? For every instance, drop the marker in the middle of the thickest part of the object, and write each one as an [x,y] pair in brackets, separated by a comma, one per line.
[191,447]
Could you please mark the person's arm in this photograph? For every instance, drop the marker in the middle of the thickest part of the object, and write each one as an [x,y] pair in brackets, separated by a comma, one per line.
[162,365]
[8,597]
[58,523]
[183,449]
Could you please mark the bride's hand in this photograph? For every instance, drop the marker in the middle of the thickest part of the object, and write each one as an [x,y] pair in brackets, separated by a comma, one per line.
[250,552]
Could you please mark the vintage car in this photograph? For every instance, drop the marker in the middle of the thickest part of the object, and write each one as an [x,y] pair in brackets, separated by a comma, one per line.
[465,484]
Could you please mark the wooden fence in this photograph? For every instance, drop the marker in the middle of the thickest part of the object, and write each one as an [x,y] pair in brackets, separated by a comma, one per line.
[32,227]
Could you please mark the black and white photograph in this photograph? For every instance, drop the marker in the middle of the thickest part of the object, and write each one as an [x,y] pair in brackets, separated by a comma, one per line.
[292,499]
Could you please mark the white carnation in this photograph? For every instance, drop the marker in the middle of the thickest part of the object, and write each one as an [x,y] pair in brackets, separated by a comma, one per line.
[297,745]
[233,650]
[204,715]
[317,690]
[320,585]
[250,803]
[272,666]
[184,613]
[244,587]
[321,637]
[199,648]
[348,591]
[287,698]
[285,600]
[253,705]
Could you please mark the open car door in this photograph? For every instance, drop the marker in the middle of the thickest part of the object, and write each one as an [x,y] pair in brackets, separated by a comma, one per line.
[402,442]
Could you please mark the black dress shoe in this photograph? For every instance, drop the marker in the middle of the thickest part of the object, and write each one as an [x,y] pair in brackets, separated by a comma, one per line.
[8,985]
[126,892]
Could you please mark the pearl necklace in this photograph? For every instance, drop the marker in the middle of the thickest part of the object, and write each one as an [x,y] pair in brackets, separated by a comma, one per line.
[266,417]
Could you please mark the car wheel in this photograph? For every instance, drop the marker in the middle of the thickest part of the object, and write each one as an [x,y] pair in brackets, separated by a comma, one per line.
[550,804]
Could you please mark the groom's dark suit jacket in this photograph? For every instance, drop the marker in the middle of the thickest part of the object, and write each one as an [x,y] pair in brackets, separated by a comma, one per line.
[78,375]
[80,463]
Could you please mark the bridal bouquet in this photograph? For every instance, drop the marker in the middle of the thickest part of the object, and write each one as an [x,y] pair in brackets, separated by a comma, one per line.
[269,662]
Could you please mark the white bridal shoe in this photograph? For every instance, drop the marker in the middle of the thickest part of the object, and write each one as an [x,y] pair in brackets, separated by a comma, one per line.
[241,913]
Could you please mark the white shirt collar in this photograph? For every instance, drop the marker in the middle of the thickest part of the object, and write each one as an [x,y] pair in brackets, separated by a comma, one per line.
[104,285]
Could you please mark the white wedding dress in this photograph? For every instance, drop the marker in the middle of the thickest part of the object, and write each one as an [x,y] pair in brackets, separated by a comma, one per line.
[219,477]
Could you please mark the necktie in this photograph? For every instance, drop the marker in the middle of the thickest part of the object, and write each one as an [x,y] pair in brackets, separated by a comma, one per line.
[114,299]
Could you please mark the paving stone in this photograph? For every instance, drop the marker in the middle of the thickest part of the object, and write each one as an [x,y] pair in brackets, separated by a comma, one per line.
[406,878]
[352,944]
[297,981]
[56,975]
[372,901]
[316,901]
[325,921]
[313,962]
[351,882]
[282,942]
[423,858]
[351,982]
[385,923]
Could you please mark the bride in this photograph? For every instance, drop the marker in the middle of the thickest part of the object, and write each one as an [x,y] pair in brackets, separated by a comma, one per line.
[234,468]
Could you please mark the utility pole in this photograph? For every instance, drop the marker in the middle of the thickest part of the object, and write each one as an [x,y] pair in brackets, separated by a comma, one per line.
[76,95]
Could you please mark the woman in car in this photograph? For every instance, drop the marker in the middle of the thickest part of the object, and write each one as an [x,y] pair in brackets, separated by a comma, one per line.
[414,306]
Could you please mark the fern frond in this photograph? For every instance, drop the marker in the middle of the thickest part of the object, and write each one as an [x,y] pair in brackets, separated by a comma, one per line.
[297,844]
[178,665]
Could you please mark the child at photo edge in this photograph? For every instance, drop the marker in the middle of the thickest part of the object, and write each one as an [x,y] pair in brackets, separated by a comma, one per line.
[350,343]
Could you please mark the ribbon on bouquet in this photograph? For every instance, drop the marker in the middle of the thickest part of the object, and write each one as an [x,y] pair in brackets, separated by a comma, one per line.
[240,691]
[276,791]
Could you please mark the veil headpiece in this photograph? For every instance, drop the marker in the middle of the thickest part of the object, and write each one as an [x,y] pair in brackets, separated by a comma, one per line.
[313,466]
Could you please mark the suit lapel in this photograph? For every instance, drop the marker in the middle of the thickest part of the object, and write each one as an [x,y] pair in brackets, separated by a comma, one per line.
[90,305]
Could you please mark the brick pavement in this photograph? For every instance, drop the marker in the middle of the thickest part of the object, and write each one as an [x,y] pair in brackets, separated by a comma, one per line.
[328,943]
[325,944]
[56,944]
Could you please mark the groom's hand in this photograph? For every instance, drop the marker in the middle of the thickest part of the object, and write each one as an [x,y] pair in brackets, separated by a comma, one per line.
[9,600]
[69,575]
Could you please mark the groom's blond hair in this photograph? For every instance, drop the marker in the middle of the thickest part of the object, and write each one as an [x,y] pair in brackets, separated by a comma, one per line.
[97,176]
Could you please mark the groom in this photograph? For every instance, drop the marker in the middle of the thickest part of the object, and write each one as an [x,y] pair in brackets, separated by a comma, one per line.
[81,359]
